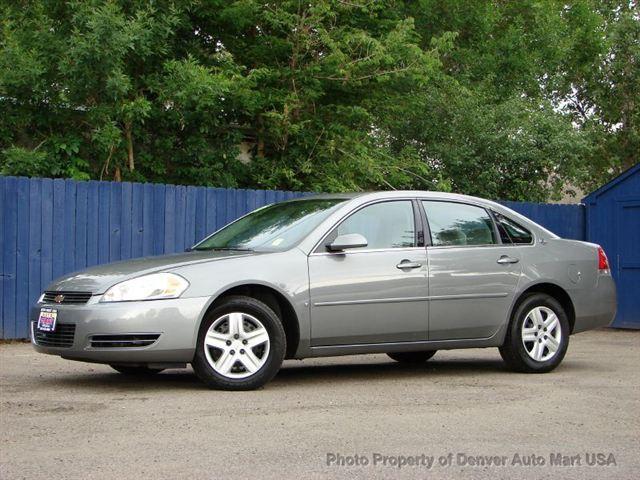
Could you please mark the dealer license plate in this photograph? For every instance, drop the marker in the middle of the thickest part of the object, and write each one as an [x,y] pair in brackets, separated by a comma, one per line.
[47,319]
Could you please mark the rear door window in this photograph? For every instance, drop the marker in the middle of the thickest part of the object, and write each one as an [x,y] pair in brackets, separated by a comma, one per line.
[459,224]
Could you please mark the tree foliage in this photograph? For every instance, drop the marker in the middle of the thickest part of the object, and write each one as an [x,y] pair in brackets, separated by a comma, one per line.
[500,99]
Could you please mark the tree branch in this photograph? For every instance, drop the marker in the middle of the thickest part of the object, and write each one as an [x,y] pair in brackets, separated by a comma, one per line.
[366,77]
[127,133]
[105,167]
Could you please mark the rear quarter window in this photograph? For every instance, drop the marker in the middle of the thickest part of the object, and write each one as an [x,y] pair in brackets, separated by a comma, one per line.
[512,232]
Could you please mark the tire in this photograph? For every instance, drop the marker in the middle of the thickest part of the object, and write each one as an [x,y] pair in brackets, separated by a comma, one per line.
[138,371]
[246,345]
[544,342]
[412,357]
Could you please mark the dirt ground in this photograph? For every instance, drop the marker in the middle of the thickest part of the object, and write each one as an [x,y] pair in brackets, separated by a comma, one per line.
[461,415]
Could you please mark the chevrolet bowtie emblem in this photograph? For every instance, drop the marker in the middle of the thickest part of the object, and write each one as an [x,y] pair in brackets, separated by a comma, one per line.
[58,298]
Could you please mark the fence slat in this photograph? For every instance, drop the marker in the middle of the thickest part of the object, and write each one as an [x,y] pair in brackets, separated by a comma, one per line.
[137,220]
[147,220]
[126,210]
[70,202]
[58,246]
[169,219]
[22,260]
[35,239]
[93,236]
[260,198]
[190,216]
[80,254]
[115,216]
[229,208]
[159,207]
[104,206]
[212,206]
[10,231]
[270,197]
[2,272]
[180,218]
[201,213]
[46,245]
[240,203]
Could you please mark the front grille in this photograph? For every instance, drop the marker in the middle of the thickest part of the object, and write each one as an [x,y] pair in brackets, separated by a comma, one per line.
[66,298]
[124,341]
[61,337]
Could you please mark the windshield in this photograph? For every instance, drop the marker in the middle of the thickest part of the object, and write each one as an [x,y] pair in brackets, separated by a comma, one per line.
[275,227]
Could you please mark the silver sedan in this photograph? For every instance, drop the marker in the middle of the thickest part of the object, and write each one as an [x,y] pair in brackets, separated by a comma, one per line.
[402,273]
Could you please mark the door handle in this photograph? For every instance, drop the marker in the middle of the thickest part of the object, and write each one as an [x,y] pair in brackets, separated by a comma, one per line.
[408,264]
[506,259]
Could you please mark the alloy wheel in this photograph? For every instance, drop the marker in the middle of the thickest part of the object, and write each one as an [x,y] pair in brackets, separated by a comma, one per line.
[236,345]
[541,333]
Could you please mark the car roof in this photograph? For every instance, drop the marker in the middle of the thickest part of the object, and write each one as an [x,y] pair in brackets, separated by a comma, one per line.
[330,196]
[365,197]
[374,195]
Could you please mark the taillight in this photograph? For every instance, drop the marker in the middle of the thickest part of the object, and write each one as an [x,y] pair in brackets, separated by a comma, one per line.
[603,262]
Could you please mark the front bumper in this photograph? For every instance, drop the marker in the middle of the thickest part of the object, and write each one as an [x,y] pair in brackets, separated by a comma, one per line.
[176,321]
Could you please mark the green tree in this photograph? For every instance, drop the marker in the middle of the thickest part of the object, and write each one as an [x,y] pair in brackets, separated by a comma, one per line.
[601,85]
[499,99]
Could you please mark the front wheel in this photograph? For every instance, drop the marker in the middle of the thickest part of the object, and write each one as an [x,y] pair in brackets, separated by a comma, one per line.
[241,345]
[538,335]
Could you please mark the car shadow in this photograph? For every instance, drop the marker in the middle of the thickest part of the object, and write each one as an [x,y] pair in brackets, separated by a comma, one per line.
[336,372]
[297,373]
[457,369]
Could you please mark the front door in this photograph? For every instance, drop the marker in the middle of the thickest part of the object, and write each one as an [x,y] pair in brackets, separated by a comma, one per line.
[472,274]
[376,293]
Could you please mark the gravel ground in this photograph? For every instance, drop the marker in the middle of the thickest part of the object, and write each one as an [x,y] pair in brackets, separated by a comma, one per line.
[62,419]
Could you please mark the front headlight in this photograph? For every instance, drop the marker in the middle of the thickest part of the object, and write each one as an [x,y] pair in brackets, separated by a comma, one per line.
[147,287]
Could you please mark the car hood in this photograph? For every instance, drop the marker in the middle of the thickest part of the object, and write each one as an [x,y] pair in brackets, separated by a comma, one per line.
[98,279]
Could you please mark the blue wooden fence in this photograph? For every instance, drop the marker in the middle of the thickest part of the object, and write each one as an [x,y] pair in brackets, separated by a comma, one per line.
[568,221]
[51,227]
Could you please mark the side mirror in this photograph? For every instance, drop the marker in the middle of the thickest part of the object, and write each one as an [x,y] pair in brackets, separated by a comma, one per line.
[345,242]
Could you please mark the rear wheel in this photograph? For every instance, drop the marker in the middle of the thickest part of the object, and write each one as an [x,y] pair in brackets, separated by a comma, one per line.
[538,335]
[241,345]
[412,357]
[128,370]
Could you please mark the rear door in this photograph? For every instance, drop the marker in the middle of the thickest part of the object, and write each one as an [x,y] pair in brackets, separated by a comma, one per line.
[472,274]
